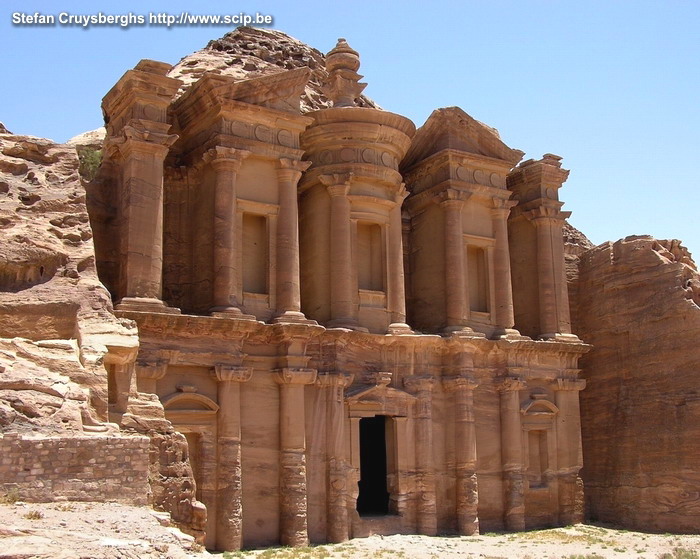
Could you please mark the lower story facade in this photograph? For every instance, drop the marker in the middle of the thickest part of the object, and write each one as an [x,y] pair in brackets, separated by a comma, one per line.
[299,434]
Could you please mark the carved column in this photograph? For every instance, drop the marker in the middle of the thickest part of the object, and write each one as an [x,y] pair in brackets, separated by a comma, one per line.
[569,453]
[465,453]
[397,287]
[229,473]
[293,499]
[512,454]
[288,290]
[504,315]
[143,151]
[228,285]
[422,388]
[338,468]
[343,287]
[148,373]
[455,269]
[551,274]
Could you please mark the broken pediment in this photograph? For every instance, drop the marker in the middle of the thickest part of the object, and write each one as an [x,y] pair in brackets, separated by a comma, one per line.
[452,128]
[280,91]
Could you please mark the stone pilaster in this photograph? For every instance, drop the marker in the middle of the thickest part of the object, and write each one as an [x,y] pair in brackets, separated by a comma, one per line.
[289,172]
[338,524]
[504,316]
[293,494]
[229,473]
[569,453]
[397,287]
[462,386]
[422,388]
[228,283]
[344,306]
[512,454]
[142,149]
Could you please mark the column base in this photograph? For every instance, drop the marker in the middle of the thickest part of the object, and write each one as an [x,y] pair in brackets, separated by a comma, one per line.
[508,334]
[230,312]
[399,329]
[346,323]
[293,317]
[462,331]
[144,304]
[558,337]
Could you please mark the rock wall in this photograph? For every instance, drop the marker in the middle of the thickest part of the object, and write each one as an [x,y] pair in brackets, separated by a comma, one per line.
[637,305]
[61,345]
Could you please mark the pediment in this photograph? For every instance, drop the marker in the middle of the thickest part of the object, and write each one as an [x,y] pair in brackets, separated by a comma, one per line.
[366,400]
[280,91]
[452,128]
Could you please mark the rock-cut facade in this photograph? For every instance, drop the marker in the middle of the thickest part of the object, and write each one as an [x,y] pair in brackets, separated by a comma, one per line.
[358,326]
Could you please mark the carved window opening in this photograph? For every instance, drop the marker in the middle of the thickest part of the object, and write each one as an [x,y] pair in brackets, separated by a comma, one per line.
[478,279]
[373,498]
[370,256]
[255,254]
[538,458]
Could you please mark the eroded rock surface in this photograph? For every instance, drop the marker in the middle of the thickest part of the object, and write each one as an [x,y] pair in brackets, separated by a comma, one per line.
[58,334]
[247,52]
[638,306]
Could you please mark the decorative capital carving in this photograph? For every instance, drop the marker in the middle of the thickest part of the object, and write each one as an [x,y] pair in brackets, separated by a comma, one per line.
[501,207]
[154,370]
[341,379]
[338,184]
[230,158]
[544,214]
[232,373]
[571,384]
[288,375]
[511,384]
[342,84]
[459,382]
[419,383]
[452,198]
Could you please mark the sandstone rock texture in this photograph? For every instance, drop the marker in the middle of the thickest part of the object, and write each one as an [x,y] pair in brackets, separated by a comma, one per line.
[62,350]
[640,413]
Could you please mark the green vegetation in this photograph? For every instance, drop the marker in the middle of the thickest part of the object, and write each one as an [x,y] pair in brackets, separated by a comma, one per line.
[90,161]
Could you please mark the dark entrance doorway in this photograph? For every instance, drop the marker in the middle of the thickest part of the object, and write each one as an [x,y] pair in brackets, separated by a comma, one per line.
[374,497]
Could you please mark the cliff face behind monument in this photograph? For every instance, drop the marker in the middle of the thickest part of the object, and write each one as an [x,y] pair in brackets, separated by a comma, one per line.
[636,301]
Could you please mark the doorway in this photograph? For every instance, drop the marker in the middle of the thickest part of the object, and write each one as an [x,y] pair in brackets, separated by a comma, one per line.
[373,498]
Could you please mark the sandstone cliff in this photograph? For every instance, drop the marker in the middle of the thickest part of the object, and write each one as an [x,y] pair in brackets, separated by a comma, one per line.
[58,341]
[638,306]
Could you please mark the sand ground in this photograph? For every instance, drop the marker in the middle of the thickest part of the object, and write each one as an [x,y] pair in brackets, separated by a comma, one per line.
[70,530]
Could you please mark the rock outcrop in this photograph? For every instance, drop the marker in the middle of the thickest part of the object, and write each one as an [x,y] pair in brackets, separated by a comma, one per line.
[63,353]
[640,413]
[248,53]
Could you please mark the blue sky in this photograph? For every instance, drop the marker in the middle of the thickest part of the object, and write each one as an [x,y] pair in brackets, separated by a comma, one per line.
[613,87]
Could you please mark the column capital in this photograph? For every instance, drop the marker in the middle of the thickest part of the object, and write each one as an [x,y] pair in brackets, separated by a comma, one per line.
[340,379]
[289,375]
[338,184]
[224,157]
[570,384]
[419,383]
[545,214]
[232,373]
[293,164]
[141,135]
[151,369]
[401,194]
[501,207]
[459,382]
[452,197]
[511,384]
